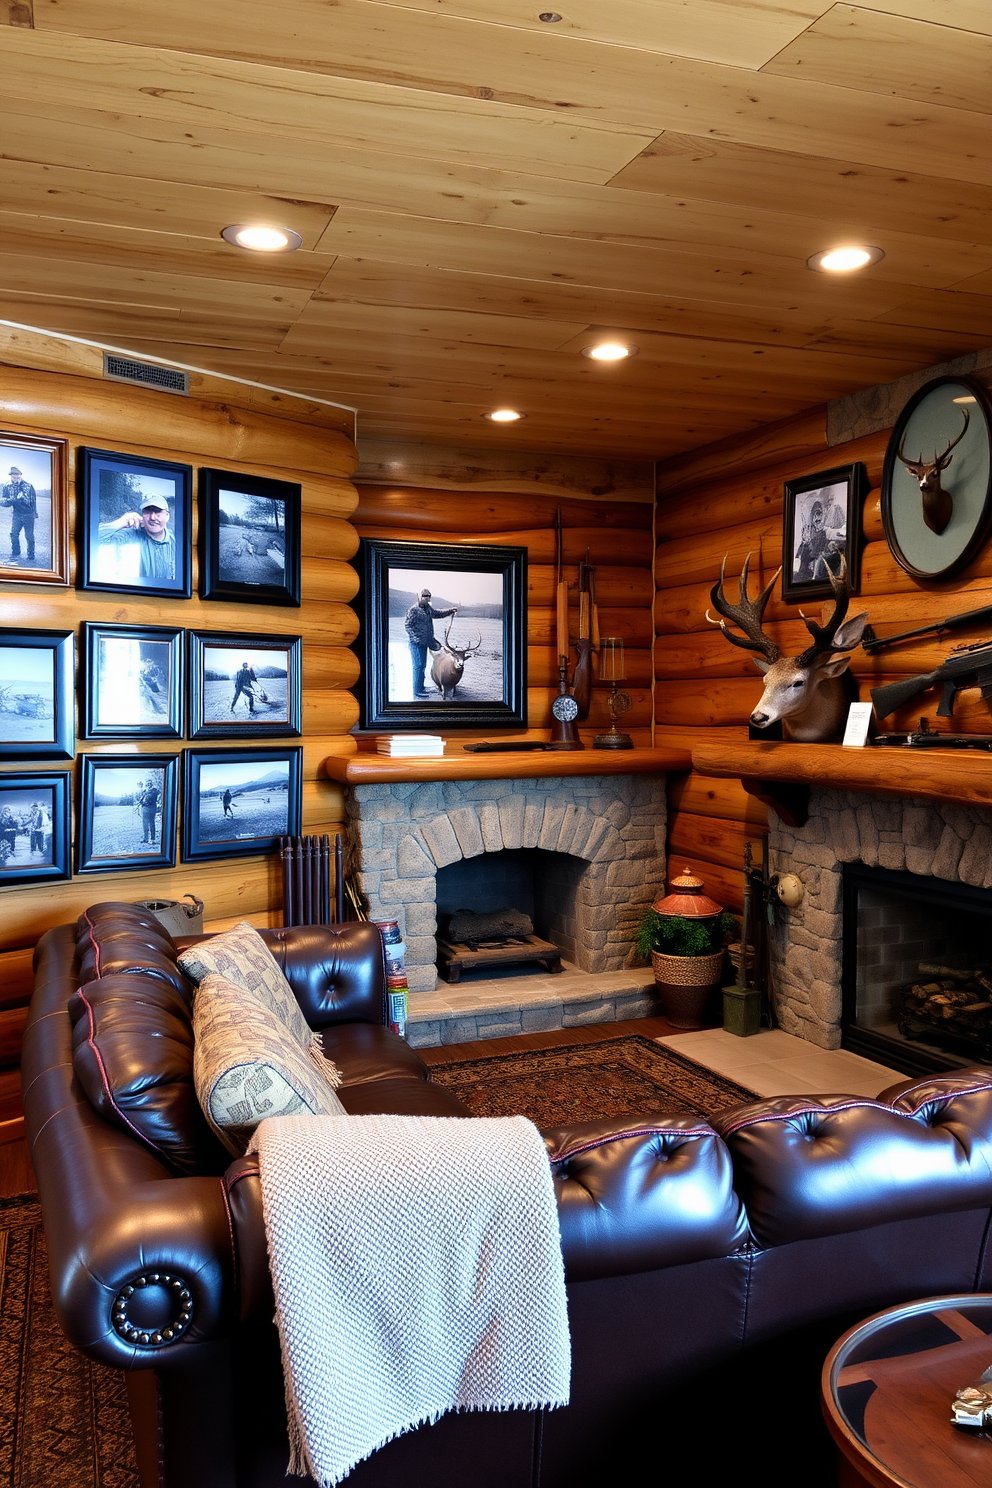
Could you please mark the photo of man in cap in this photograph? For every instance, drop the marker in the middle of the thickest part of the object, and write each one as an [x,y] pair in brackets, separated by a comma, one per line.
[20,495]
[419,626]
[144,535]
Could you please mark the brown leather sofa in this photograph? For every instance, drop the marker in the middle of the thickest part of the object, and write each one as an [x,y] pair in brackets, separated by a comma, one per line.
[708,1266]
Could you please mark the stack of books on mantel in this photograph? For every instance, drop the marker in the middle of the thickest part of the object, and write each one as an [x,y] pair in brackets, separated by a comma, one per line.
[409,746]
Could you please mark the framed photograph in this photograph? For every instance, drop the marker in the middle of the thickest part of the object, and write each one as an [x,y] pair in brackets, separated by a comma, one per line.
[238,802]
[937,478]
[132,681]
[822,524]
[249,538]
[37,681]
[244,686]
[443,636]
[34,827]
[135,524]
[34,509]
[127,812]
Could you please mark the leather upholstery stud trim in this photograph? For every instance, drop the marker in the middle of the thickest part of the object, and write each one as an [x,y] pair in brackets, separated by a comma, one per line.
[153,1337]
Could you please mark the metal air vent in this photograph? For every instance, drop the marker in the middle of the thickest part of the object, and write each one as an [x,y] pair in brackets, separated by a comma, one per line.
[125,369]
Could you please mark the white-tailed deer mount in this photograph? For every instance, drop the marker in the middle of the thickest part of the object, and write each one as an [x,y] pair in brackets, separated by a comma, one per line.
[808,692]
[938,504]
[449,664]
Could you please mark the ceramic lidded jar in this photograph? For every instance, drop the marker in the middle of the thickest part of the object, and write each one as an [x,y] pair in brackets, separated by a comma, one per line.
[686,983]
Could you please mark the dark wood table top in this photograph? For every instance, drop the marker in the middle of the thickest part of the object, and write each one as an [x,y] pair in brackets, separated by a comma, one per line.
[887,1391]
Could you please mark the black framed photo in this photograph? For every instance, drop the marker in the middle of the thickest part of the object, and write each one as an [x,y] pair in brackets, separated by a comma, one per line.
[34,509]
[132,681]
[34,827]
[937,478]
[135,519]
[822,525]
[444,631]
[36,694]
[239,802]
[127,812]
[249,538]
[244,686]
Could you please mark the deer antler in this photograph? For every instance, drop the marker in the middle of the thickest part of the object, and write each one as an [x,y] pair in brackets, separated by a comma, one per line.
[747,615]
[457,650]
[823,635]
[939,462]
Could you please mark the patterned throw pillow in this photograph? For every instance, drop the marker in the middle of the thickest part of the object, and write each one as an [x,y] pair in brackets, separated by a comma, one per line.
[242,956]
[247,1065]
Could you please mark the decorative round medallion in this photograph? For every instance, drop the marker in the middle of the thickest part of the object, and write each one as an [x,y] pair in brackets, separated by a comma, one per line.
[565,708]
[937,480]
[152,1337]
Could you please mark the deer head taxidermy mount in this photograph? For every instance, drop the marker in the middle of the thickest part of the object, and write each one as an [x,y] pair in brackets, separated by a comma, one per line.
[938,504]
[808,692]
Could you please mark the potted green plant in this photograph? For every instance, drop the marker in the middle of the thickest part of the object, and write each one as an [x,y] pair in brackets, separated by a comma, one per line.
[685,934]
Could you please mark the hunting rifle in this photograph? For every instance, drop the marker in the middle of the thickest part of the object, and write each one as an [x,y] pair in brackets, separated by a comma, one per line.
[872,643]
[968,666]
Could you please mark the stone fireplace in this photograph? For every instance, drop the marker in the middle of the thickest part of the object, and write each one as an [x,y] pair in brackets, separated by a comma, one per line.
[599,844]
[935,841]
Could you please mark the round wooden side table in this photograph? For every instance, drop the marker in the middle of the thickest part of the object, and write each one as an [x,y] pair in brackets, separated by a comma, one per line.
[887,1389]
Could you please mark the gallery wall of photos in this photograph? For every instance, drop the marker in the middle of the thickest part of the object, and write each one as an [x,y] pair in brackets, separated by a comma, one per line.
[175,662]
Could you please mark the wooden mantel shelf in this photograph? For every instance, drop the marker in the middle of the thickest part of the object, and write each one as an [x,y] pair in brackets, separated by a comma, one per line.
[933,774]
[377,769]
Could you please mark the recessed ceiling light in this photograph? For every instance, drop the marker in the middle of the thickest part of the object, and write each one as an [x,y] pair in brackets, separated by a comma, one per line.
[504,416]
[609,351]
[843,260]
[260,238]
[550,16]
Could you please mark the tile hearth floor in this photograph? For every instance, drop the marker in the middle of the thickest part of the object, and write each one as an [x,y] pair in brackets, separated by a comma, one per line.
[776,1063]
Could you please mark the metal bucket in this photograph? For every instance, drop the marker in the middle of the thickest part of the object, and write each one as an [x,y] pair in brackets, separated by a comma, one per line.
[177,917]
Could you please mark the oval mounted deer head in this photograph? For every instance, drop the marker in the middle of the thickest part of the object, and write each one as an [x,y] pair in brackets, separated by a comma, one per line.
[938,504]
[808,692]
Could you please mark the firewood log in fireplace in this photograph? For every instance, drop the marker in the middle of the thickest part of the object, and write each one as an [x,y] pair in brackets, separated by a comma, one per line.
[499,924]
[953,999]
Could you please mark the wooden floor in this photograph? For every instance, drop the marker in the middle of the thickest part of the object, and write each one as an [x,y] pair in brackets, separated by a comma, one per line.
[17,1174]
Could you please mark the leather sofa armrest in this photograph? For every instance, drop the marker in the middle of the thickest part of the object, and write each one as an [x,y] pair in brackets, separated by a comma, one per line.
[642,1194]
[141,1262]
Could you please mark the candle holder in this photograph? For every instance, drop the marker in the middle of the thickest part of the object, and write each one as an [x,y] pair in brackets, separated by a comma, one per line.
[611,669]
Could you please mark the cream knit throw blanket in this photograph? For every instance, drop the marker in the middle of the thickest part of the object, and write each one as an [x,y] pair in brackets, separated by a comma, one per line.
[417,1269]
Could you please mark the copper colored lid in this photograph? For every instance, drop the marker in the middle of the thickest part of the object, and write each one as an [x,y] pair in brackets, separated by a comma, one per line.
[687,899]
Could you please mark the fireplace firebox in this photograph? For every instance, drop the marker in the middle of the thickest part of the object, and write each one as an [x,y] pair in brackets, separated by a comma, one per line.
[917,970]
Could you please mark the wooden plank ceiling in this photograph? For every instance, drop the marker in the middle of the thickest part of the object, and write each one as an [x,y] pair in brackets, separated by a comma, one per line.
[482,194]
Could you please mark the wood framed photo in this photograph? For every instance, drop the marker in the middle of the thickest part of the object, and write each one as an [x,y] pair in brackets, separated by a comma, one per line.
[937,478]
[239,802]
[34,827]
[132,681]
[135,524]
[244,686]
[444,631]
[822,524]
[34,509]
[127,812]
[249,538]
[37,712]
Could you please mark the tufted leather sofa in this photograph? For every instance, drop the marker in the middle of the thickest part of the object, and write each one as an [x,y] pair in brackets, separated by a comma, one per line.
[708,1266]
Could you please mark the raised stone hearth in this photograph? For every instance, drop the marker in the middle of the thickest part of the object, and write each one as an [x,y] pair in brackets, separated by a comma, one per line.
[940,840]
[612,827]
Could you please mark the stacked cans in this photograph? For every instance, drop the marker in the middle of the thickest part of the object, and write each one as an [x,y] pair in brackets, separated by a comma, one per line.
[396,988]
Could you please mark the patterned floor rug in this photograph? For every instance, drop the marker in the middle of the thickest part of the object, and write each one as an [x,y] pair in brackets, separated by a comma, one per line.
[583,1082]
[63,1419]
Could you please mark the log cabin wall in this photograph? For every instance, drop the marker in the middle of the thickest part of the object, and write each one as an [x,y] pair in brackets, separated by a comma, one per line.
[728,498]
[204,430]
[422,493]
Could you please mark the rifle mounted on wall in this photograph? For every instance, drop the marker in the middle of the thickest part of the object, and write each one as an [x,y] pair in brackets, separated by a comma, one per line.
[872,643]
[970,666]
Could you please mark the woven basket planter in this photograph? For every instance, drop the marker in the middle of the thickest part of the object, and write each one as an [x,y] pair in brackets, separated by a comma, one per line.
[685,986]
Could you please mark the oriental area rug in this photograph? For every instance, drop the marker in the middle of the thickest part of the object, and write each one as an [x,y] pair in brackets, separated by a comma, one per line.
[63,1419]
[589,1081]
